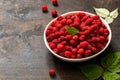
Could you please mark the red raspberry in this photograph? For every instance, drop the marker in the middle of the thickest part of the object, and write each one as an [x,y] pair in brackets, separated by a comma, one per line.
[94,49]
[68,54]
[58,26]
[55,2]
[55,41]
[72,42]
[54,29]
[63,21]
[101,31]
[69,21]
[74,51]
[88,21]
[85,18]
[44,8]
[99,46]
[82,38]
[73,56]
[67,47]
[52,36]
[80,15]
[64,42]
[77,19]
[75,38]
[81,51]
[84,44]
[87,53]
[95,17]
[54,13]
[59,18]
[48,32]
[52,45]
[76,24]
[68,37]
[56,50]
[79,56]
[52,72]
[60,47]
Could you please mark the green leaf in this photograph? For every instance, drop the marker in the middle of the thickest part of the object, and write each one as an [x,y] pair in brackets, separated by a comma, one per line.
[109,20]
[111,76]
[114,13]
[111,62]
[102,12]
[92,71]
[72,31]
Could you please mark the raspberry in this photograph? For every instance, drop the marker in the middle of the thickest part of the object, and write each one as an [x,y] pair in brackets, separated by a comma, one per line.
[72,42]
[95,17]
[60,46]
[52,45]
[68,37]
[56,50]
[81,51]
[67,47]
[68,54]
[94,49]
[48,32]
[75,38]
[88,21]
[82,38]
[58,26]
[64,42]
[74,51]
[79,56]
[80,15]
[44,8]
[55,2]
[76,24]
[85,18]
[54,13]
[59,18]
[69,21]
[63,21]
[84,44]
[52,72]
[73,56]
[87,53]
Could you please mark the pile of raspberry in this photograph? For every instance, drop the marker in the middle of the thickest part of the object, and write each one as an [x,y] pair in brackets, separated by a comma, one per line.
[92,36]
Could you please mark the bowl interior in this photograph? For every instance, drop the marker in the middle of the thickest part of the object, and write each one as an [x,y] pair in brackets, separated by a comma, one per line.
[82,59]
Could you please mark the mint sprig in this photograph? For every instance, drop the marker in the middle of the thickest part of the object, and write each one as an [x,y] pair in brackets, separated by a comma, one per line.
[72,31]
[107,70]
[106,14]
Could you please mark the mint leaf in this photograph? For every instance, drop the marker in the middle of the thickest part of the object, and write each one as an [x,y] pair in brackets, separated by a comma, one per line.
[111,62]
[72,31]
[109,20]
[114,13]
[111,76]
[102,12]
[92,71]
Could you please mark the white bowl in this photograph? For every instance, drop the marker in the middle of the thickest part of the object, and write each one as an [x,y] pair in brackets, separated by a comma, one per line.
[81,59]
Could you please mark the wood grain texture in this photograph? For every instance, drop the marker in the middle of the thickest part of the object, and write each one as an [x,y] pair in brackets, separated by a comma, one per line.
[23,54]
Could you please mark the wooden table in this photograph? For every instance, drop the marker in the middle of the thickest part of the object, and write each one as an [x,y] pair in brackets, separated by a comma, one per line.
[23,54]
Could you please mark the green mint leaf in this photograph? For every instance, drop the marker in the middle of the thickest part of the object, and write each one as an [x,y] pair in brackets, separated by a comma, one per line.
[114,13]
[111,76]
[92,71]
[109,20]
[111,62]
[102,12]
[72,31]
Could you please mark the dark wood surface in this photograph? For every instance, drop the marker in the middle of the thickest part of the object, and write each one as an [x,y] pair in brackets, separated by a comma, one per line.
[23,54]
